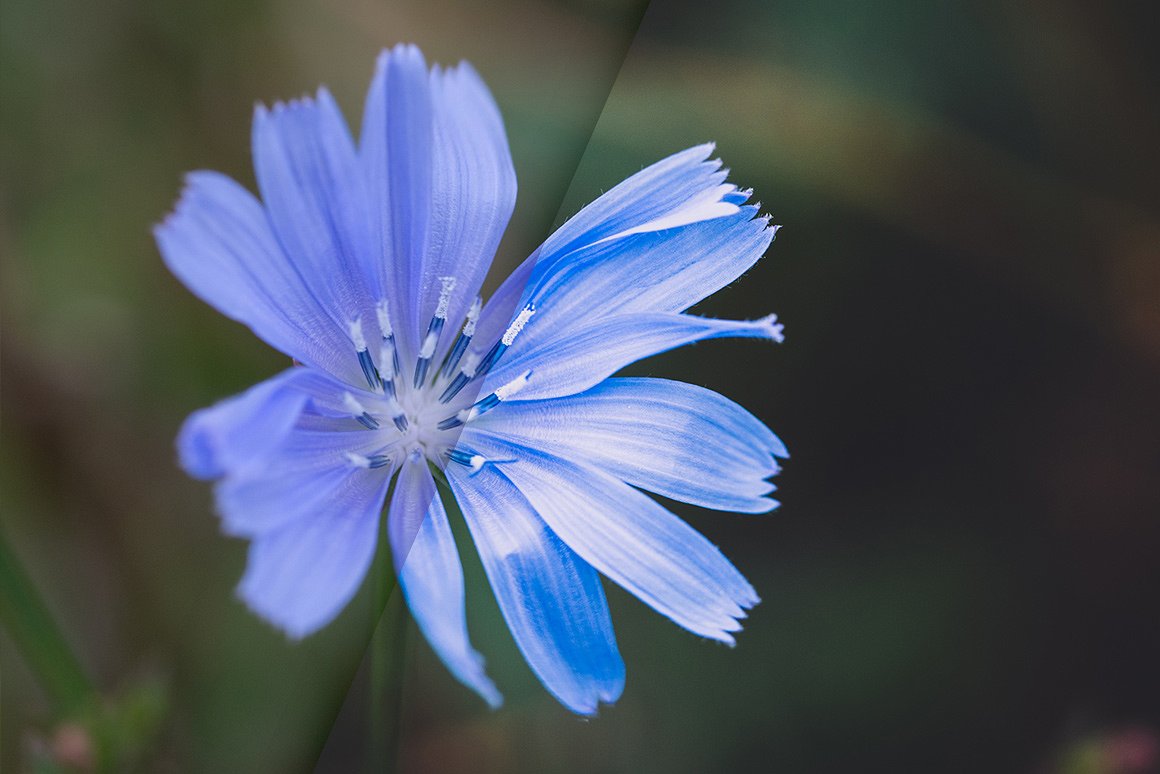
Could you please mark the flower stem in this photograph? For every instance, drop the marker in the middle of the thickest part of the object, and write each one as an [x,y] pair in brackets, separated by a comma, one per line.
[40,641]
[388,648]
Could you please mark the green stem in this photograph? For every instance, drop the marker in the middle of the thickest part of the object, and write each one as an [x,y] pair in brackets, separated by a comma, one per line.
[388,646]
[39,640]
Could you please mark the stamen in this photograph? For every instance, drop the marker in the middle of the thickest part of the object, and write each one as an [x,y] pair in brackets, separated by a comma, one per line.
[465,375]
[463,339]
[518,324]
[473,317]
[398,416]
[507,339]
[487,404]
[472,461]
[368,369]
[359,412]
[356,334]
[444,296]
[383,312]
[427,351]
[364,358]
[372,462]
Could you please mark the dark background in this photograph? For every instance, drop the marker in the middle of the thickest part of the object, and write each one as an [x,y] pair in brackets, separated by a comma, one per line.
[963,576]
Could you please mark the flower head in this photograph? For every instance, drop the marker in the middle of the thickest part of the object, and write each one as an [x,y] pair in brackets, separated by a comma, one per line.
[364,263]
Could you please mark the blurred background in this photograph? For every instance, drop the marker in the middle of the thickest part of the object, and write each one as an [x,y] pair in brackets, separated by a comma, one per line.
[963,575]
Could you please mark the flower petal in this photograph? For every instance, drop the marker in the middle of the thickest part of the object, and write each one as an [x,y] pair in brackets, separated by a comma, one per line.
[432,577]
[573,362]
[395,148]
[302,475]
[314,192]
[628,537]
[473,194]
[240,431]
[438,161]
[678,440]
[552,600]
[666,271]
[685,183]
[299,576]
[218,242]
[681,189]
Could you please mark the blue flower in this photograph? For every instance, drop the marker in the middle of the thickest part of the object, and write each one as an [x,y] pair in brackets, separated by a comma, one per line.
[363,262]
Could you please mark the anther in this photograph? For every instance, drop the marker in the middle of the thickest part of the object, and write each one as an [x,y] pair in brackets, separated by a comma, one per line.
[465,375]
[473,462]
[487,404]
[398,416]
[464,338]
[359,412]
[431,341]
[364,357]
[507,339]
[372,462]
[382,311]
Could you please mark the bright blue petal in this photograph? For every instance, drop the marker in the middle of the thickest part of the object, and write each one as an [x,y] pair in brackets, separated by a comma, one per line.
[432,577]
[657,271]
[628,537]
[684,187]
[551,599]
[681,189]
[314,191]
[665,271]
[576,361]
[218,242]
[240,431]
[299,576]
[678,440]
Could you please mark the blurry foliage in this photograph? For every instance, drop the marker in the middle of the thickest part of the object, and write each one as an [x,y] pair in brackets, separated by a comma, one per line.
[962,576]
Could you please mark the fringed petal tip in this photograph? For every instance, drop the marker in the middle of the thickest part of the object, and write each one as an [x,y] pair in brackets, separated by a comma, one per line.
[773,330]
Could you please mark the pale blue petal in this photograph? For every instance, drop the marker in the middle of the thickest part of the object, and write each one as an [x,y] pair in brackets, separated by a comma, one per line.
[552,600]
[439,166]
[473,194]
[574,362]
[218,242]
[627,536]
[314,192]
[432,577]
[299,576]
[396,149]
[301,475]
[679,440]
[240,431]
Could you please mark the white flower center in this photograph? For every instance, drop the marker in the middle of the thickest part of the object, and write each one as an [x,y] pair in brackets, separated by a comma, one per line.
[425,414]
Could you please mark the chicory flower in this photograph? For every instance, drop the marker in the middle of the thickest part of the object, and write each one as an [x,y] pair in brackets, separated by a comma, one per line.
[363,262]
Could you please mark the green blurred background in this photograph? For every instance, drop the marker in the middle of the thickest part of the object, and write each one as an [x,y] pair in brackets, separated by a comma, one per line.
[963,576]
